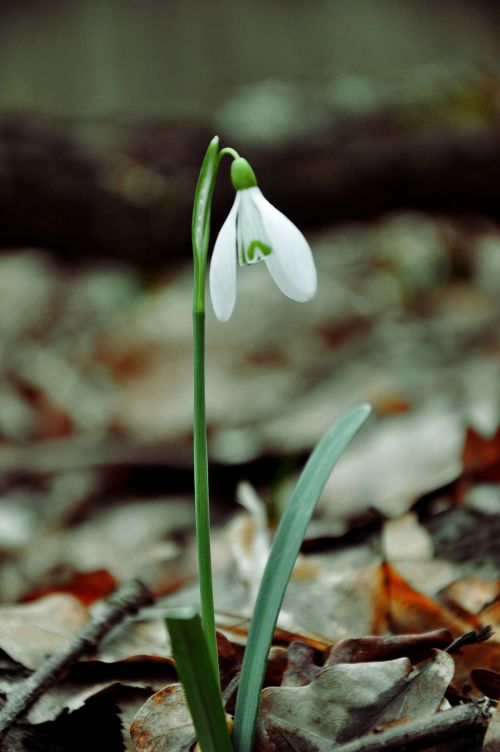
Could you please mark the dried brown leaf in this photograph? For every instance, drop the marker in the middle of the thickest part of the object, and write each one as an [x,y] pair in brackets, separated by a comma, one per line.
[488,682]
[416,647]
[481,455]
[300,669]
[409,611]
[229,663]
[485,655]
[347,700]
[423,693]
[86,586]
[163,724]
[472,594]
[333,707]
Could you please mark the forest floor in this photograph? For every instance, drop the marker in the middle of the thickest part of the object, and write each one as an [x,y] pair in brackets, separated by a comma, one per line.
[96,490]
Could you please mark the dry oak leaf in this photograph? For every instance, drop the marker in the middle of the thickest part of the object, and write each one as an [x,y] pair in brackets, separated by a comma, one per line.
[163,724]
[31,631]
[301,668]
[488,682]
[481,455]
[348,700]
[416,647]
[484,655]
[408,611]
[491,741]
[86,586]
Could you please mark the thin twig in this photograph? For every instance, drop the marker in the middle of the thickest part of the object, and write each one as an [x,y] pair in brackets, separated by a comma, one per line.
[230,689]
[125,601]
[462,721]
[471,638]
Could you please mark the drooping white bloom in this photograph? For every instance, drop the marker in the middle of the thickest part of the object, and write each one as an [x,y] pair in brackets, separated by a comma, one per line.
[256,231]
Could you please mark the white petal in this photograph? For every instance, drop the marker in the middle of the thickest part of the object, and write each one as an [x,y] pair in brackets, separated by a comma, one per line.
[250,230]
[291,263]
[222,274]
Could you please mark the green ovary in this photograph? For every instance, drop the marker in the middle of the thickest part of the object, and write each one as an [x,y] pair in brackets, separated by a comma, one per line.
[256,251]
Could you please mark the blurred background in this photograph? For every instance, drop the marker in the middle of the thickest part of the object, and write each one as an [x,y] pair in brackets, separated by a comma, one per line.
[374,125]
[168,59]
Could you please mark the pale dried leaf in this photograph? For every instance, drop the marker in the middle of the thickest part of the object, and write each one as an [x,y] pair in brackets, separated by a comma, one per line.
[338,601]
[250,539]
[423,692]
[492,738]
[70,696]
[300,666]
[334,706]
[404,457]
[429,577]
[29,632]
[136,639]
[484,498]
[472,594]
[163,724]
[348,700]
[405,539]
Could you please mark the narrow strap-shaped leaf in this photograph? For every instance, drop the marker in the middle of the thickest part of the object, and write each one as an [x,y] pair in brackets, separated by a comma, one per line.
[202,201]
[285,549]
[196,672]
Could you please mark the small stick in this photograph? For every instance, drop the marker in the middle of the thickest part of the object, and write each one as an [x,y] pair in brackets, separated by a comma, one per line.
[461,721]
[471,638]
[125,601]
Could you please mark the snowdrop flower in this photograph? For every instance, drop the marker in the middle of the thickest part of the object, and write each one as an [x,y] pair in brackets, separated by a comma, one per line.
[255,231]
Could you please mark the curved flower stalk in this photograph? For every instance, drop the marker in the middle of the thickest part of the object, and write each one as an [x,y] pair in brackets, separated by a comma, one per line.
[253,231]
[256,231]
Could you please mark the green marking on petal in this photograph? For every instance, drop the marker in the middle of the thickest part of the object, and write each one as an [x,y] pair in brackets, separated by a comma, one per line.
[256,251]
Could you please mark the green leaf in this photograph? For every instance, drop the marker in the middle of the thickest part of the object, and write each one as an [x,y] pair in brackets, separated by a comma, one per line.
[196,672]
[203,200]
[286,546]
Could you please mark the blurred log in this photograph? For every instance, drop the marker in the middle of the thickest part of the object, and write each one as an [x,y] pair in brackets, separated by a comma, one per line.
[125,190]
[105,189]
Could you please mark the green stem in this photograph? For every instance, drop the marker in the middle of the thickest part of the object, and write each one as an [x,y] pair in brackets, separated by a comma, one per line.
[200,235]
[202,509]
[227,151]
